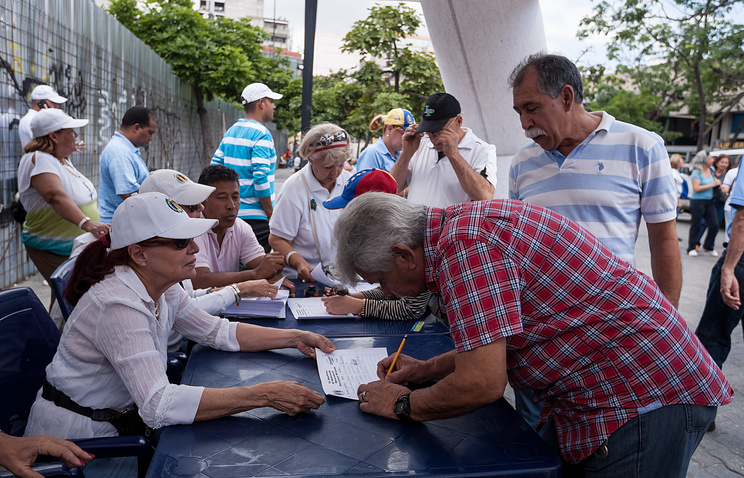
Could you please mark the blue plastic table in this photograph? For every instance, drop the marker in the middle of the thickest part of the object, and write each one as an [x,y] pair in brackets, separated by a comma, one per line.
[338,439]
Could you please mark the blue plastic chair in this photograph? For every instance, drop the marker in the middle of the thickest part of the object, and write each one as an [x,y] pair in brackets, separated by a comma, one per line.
[29,341]
[58,281]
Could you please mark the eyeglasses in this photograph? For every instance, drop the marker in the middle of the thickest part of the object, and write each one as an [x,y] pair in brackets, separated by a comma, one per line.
[177,243]
[330,138]
[193,208]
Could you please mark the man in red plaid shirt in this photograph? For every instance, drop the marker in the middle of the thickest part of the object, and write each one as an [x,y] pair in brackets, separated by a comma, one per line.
[534,299]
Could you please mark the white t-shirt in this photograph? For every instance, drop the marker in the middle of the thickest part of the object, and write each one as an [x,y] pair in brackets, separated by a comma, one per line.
[105,363]
[433,182]
[24,128]
[728,180]
[293,213]
[77,186]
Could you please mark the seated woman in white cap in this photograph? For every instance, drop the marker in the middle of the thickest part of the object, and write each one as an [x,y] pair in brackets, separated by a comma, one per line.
[372,303]
[301,226]
[385,151]
[108,375]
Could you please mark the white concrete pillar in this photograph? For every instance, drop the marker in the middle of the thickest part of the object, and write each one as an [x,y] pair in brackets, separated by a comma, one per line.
[478,43]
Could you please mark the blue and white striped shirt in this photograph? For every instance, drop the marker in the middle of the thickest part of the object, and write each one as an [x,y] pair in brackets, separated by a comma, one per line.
[619,173]
[248,148]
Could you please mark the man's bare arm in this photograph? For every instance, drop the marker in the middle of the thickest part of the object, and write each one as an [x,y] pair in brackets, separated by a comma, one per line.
[666,264]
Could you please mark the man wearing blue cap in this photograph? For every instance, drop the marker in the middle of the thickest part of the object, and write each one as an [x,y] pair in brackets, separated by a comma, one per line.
[450,165]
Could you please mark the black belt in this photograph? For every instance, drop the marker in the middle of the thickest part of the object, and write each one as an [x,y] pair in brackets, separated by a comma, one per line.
[127,421]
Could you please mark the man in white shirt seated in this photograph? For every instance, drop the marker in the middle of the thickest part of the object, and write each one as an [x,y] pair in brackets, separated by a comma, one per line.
[231,243]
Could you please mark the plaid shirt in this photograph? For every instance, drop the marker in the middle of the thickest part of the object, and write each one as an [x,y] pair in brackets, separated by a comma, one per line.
[594,337]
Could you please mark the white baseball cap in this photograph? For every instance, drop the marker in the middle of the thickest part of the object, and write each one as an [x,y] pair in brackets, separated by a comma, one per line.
[46,92]
[176,185]
[53,119]
[148,215]
[256,91]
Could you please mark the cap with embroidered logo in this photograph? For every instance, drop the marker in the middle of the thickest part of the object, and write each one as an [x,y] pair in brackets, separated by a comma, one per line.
[147,215]
[363,182]
[439,109]
[177,186]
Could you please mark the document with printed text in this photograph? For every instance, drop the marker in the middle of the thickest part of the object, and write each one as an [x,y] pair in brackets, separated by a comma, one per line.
[342,371]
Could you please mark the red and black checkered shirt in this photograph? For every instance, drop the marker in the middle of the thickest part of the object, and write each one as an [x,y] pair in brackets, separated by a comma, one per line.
[594,337]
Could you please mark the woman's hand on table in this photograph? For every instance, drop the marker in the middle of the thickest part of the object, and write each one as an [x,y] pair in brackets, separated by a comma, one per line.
[305,272]
[307,342]
[342,304]
[257,288]
[290,397]
[287,284]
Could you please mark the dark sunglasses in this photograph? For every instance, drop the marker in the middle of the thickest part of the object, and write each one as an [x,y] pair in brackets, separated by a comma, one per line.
[190,208]
[329,139]
[177,243]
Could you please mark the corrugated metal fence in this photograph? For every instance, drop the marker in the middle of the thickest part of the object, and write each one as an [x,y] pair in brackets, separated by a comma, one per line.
[103,70]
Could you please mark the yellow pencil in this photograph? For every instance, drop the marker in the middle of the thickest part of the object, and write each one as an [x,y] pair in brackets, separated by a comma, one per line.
[397,354]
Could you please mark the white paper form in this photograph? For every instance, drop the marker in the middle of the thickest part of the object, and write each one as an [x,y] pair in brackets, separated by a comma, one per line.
[313,308]
[342,371]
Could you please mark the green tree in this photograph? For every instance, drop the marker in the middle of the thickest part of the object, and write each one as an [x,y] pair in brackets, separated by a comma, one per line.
[683,49]
[217,57]
[407,77]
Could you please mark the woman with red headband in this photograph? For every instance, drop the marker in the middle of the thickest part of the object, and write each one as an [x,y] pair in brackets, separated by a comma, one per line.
[301,227]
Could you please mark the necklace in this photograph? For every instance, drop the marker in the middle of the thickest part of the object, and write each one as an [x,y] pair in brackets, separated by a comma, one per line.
[157,311]
[71,169]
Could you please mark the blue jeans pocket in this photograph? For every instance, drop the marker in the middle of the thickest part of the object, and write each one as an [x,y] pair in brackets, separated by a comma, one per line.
[699,417]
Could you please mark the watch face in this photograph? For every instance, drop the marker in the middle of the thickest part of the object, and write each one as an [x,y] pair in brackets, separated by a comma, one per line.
[402,406]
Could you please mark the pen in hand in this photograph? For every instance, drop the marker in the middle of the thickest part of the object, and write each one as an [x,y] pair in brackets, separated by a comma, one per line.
[397,354]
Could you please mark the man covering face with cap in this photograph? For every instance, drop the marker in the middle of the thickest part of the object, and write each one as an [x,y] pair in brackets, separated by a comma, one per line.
[248,148]
[450,165]
[42,97]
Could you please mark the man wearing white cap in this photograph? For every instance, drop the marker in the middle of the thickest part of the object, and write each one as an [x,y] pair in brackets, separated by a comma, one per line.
[43,96]
[248,148]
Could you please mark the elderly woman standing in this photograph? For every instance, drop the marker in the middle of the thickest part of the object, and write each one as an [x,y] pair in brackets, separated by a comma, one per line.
[301,227]
[108,375]
[60,201]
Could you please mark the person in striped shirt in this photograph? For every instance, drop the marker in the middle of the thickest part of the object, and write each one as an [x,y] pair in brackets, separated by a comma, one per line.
[599,172]
[248,148]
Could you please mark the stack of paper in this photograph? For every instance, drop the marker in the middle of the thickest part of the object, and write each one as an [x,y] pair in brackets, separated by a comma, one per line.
[260,307]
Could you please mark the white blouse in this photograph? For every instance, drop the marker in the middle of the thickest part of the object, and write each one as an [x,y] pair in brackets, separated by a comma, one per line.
[113,353]
[297,210]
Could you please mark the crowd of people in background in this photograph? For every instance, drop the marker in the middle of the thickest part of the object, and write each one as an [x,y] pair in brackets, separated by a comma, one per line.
[539,290]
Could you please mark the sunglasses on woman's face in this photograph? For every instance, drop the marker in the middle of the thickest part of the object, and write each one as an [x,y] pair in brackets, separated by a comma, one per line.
[177,243]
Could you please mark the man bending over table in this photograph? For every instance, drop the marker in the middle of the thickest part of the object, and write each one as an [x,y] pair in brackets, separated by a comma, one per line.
[535,300]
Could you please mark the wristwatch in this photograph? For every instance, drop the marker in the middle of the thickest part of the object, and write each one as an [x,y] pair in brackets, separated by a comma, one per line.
[402,408]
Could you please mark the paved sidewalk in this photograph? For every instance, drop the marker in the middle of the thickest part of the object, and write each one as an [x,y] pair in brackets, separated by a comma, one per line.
[721,453]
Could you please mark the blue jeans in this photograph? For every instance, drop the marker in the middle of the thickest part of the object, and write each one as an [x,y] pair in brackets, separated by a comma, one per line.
[529,410]
[654,444]
[718,319]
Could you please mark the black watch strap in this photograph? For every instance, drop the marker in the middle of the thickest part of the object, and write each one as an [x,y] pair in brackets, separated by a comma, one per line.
[402,408]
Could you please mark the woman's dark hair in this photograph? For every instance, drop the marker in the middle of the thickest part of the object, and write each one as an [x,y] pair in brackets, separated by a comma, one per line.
[91,266]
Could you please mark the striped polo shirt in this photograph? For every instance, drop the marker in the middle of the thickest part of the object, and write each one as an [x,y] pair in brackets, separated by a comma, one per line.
[248,148]
[619,173]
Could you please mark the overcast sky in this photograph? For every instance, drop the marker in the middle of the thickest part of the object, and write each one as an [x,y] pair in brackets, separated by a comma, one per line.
[335,18]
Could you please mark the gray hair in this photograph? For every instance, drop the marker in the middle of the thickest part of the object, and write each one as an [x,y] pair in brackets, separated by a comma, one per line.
[326,157]
[553,73]
[368,228]
[700,161]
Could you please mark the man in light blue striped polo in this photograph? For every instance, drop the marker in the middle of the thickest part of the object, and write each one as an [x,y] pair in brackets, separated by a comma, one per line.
[595,170]
[248,148]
